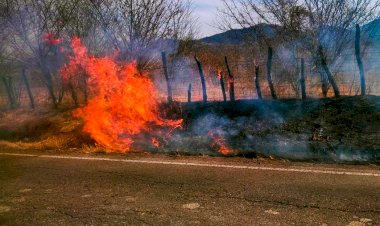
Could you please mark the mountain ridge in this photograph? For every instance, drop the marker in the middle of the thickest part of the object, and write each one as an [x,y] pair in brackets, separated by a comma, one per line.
[240,35]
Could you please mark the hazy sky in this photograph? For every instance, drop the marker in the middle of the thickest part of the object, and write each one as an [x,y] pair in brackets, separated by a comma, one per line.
[205,11]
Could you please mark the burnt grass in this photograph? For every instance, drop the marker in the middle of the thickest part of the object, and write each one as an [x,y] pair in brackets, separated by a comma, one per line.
[345,129]
[329,129]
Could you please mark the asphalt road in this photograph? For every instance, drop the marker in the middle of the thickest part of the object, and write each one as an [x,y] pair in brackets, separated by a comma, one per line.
[146,190]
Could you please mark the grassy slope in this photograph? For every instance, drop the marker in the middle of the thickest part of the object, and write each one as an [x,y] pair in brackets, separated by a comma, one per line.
[290,128]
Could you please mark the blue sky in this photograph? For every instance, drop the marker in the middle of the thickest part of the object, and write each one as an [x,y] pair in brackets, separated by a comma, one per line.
[205,11]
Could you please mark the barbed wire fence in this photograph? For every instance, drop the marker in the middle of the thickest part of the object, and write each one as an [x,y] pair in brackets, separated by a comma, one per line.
[286,81]
[287,85]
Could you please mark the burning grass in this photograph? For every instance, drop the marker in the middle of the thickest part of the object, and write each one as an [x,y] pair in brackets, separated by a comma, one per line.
[344,129]
[122,106]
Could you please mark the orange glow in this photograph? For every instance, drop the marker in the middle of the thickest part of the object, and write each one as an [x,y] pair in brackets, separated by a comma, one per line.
[155,142]
[122,104]
[219,73]
[51,39]
[219,142]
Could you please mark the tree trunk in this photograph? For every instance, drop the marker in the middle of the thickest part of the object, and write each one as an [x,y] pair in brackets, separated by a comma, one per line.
[85,89]
[324,81]
[189,94]
[28,89]
[49,86]
[222,86]
[61,93]
[257,82]
[328,72]
[8,83]
[169,88]
[302,80]
[73,94]
[359,60]
[203,82]
[51,94]
[269,74]
[231,81]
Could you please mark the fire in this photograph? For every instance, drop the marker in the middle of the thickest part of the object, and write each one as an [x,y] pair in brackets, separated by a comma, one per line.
[155,142]
[51,39]
[219,143]
[122,104]
[231,81]
[219,73]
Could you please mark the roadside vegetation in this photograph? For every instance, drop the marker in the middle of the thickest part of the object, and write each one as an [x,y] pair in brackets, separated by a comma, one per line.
[296,79]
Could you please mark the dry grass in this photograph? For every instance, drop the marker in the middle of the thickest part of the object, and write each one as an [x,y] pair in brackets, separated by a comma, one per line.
[324,127]
[42,129]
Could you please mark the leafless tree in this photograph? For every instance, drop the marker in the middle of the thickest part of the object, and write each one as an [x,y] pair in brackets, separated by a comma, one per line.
[324,27]
[139,27]
[34,27]
[6,78]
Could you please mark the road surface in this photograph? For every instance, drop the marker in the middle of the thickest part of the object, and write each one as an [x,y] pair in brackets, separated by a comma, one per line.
[80,189]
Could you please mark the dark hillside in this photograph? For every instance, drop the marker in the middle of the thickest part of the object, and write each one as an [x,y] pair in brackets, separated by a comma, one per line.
[239,36]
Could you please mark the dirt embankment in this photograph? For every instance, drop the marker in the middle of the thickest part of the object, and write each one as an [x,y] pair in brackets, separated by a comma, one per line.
[346,128]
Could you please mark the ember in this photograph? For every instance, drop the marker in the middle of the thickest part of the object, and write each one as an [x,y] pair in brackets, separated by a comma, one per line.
[121,106]
[219,143]
[219,73]
[155,142]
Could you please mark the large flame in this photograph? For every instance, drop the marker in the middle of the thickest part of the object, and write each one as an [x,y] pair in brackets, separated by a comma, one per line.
[122,104]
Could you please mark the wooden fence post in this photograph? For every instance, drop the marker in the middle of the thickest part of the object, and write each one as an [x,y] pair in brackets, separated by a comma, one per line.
[189,94]
[223,88]
[257,82]
[203,82]
[302,80]
[169,88]
[269,73]
[230,80]
[359,61]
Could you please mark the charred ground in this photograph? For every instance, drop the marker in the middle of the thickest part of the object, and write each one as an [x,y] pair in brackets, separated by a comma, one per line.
[338,129]
[346,128]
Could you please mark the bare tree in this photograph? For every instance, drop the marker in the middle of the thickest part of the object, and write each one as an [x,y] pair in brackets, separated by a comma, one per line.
[6,73]
[323,27]
[139,27]
[34,27]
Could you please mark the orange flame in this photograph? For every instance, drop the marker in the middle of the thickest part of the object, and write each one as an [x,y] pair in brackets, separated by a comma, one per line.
[51,39]
[219,143]
[219,73]
[155,142]
[122,105]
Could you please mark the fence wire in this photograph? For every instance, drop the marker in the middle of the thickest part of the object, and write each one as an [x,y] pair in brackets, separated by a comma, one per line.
[285,77]
[286,82]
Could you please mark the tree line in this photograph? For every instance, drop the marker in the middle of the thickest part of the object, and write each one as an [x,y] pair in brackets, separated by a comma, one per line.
[33,33]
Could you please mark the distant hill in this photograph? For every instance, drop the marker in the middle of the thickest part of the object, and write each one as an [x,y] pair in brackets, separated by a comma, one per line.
[238,36]
[372,29]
